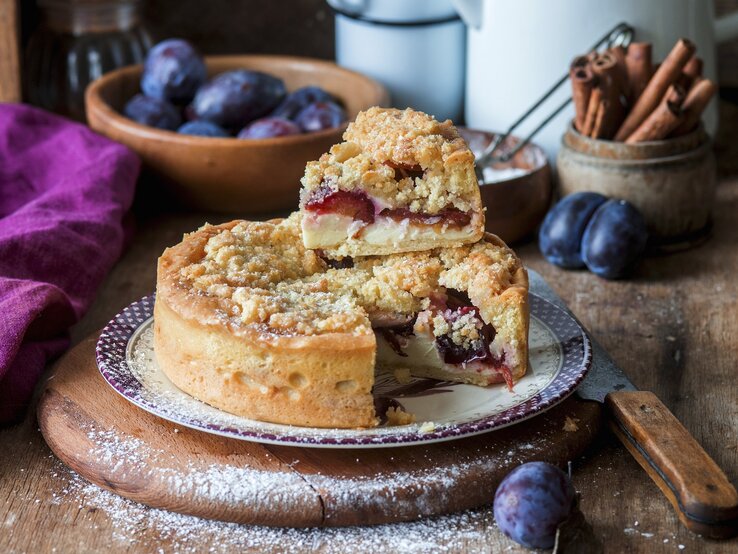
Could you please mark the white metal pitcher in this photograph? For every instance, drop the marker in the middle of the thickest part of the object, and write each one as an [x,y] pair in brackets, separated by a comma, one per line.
[516,49]
[413,47]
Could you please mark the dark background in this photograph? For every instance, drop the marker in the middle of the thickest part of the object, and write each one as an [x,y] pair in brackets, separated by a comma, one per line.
[305,28]
[295,27]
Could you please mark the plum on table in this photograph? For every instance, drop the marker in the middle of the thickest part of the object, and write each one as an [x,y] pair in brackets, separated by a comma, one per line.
[614,239]
[202,128]
[173,71]
[531,502]
[319,116]
[235,98]
[268,127]
[152,112]
[299,99]
[560,236]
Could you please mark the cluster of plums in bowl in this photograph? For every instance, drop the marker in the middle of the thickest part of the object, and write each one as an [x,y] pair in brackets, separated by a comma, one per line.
[607,235]
[177,96]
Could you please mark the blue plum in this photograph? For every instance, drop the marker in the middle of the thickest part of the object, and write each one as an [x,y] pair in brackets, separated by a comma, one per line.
[560,236]
[320,115]
[202,129]
[234,98]
[299,99]
[614,239]
[173,71]
[268,127]
[152,112]
[531,502]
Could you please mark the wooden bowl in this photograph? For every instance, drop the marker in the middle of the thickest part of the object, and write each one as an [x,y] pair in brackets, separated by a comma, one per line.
[229,174]
[515,205]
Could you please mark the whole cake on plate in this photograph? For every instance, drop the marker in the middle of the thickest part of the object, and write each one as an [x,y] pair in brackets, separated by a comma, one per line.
[252,321]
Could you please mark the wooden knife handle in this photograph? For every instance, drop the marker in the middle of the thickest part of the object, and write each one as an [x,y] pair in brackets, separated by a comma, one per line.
[706,502]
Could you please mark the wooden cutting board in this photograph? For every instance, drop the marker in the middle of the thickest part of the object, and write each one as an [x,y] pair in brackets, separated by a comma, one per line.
[120,447]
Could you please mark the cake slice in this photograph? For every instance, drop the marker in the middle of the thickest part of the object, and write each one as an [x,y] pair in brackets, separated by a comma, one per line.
[400,182]
[470,319]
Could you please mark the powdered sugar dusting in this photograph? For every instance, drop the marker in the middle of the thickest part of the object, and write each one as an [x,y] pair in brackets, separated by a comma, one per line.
[470,531]
[237,489]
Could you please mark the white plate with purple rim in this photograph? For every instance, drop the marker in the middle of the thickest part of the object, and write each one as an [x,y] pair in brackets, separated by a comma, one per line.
[560,357]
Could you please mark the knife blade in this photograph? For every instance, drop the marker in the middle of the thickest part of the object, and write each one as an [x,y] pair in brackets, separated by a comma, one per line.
[703,497]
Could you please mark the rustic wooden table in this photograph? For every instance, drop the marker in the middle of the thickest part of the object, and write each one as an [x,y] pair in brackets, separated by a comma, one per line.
[671,327]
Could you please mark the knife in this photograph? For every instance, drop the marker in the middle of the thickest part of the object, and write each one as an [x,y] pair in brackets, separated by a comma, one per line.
[703,497]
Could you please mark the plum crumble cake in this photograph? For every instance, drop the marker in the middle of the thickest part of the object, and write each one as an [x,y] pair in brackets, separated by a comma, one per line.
[249,320]
[400,182]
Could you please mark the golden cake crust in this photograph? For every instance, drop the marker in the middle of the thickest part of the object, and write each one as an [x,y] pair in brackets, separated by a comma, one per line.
[251,368]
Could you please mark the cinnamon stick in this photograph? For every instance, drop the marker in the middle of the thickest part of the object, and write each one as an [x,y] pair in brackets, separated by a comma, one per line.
[697,99]
[693,68]
[582,82]
[600,121]
[638,68]
[619,53]
[691,72]
[663,120]
[611,111]
[667,75]
[595,99]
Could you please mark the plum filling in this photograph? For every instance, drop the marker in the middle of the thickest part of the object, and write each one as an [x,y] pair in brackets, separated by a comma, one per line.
[453,217]
[358,206]
[354,204]
[457,304]
[478,351]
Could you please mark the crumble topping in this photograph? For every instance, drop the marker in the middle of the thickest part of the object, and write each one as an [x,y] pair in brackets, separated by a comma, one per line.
[403,376]
[401,159]
[398,416]
[299,308]
[407,137]
[463,330]
[262,275]
[253,254]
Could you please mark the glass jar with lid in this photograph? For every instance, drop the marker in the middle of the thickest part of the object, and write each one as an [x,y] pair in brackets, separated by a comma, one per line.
[76,42]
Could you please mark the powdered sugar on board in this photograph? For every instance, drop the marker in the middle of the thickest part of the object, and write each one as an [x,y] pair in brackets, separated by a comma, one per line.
[398,494]
[468,531]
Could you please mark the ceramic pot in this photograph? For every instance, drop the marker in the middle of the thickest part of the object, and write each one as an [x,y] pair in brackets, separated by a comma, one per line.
[514,206]
[672,182]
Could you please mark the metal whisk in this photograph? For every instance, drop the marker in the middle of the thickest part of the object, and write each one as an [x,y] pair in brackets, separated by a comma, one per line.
[620,35]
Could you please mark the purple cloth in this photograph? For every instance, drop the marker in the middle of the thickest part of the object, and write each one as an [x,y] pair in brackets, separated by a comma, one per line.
[63,193]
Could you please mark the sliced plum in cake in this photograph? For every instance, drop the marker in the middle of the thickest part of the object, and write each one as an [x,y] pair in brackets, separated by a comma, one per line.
[400,182]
